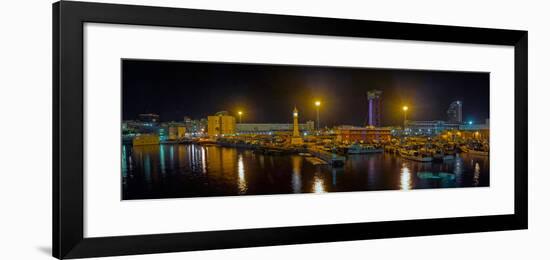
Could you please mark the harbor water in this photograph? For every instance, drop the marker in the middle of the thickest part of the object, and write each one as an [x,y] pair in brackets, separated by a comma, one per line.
[190,170]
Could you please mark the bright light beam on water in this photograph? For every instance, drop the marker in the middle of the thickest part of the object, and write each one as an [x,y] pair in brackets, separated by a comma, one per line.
[406,183]
[240,170]
[476,174]
[296,174]
[318,185]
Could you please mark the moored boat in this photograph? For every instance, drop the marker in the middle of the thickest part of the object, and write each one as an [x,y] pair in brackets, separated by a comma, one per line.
[440,155]
[205,142]
[478,152]
[415,155]
[360,149]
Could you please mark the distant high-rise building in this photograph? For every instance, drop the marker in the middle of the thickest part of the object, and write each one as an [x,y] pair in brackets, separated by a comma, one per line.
[454,113]
[374,98]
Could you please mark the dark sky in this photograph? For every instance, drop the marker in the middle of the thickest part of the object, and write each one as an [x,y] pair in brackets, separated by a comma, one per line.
[268,93]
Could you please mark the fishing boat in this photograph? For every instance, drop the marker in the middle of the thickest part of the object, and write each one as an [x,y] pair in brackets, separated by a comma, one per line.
[449,157]
[436,175]
[478,149]
[478,152]
[414,155]
[440,155]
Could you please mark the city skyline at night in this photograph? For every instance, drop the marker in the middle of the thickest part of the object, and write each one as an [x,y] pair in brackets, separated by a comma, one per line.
[267,93]
[200,129]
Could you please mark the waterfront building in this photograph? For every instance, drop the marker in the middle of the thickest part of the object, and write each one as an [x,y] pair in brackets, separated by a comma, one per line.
[351,134]
[221,124]
[171,131]
[296,138]
[145,139]
[195,127]
[135,127]
[272,128]
[434,127]
[176,132]
[374,98]
[454,113]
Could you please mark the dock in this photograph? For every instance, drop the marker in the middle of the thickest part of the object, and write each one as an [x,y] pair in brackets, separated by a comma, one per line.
[315,161]
[331,158]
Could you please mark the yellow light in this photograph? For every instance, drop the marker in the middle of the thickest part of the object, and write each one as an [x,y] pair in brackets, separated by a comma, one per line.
[405,108]
[317,103]
[240,112]
[295,114]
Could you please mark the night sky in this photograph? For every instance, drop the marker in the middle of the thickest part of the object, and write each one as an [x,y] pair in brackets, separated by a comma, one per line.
[268,93]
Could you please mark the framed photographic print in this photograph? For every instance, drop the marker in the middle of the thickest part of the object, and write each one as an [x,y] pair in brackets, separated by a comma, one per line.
[179,129]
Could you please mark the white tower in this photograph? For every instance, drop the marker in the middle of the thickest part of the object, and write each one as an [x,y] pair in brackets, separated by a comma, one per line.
[296,138]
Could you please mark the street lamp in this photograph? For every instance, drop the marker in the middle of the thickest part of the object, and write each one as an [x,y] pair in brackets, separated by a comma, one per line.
[240,116]
[317,105]
[405,108]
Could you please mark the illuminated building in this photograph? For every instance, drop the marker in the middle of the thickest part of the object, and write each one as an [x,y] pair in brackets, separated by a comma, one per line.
[176,132]
[134,127]
[296,138]
[350,134]
[374,98]
[221,124]
[195,127]
[429,127]
[267,128]
[145,139]
[454,113]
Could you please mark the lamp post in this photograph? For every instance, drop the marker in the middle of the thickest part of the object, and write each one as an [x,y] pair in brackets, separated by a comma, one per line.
[405,108]
[240,116]
[317,105]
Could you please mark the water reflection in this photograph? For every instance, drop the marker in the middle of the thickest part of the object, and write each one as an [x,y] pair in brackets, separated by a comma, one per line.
[296,174]
[147,168]
[193,170]
[335,172]
[406,183]
[476,174]
[242,180]
[318,185]
[172,156]
[203,159]
[162,161]
[124,163]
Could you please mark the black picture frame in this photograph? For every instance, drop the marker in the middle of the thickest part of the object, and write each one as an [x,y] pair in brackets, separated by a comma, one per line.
[68,146]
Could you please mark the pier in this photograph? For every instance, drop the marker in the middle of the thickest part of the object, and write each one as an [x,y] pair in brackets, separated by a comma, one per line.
[331,158]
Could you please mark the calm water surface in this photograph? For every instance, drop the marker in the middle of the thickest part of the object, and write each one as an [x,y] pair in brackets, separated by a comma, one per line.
[176,171]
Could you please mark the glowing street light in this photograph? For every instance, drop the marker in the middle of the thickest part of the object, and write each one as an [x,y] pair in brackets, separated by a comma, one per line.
[240,116]
[317,105]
